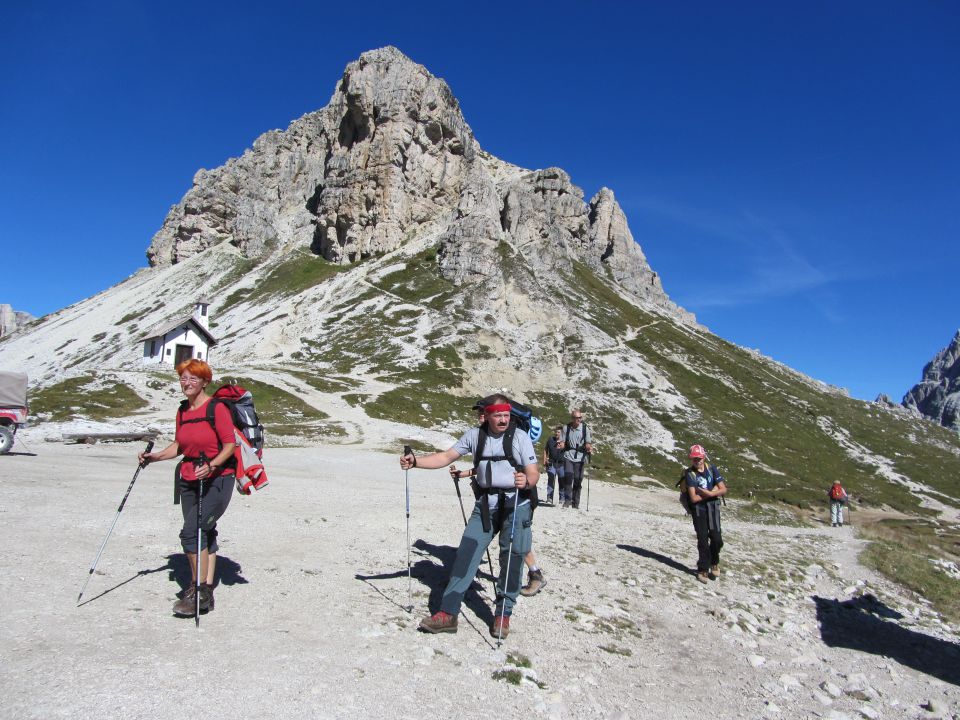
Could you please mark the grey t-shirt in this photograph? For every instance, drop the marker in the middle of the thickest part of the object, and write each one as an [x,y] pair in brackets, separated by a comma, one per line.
[497,473]
[576,435]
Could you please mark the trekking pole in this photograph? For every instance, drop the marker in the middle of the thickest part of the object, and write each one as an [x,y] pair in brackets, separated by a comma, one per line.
[407,450]
[506,580]
[456,484]
[123,502]
[196,595]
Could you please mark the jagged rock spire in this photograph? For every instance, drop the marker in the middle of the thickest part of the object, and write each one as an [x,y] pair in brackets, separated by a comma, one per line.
[937,395]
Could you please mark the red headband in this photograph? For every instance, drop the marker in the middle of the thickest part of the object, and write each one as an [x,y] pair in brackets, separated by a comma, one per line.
[490,409]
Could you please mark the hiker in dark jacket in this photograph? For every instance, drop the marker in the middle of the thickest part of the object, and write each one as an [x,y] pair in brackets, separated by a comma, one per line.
[553,462]
[493,513]
[705,487]
[577,446]
[195,436]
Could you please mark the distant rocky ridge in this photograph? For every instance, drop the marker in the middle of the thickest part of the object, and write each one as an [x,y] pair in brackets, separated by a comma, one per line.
[11,320]
[389,158]
[937,395]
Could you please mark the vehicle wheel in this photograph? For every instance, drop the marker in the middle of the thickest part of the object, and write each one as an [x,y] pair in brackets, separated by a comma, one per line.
[6,440]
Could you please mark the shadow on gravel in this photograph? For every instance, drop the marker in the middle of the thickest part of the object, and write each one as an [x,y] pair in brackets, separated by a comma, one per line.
[228,571]
[141,573]
[435,577]
[668,561]
[867,625]
[178,569]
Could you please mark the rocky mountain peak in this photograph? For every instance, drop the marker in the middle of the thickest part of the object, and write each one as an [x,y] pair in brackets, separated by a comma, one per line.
[937,395]
[390,159]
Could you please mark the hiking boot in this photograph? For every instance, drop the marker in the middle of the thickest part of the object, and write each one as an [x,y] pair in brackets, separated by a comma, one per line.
[206,597]
[714,572]
[187,604]
[549,499]
[566,503]
[535,583]
[501,626]
[439,622]
[702,577]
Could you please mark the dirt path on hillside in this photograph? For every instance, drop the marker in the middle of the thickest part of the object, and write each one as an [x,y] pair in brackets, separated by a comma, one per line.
[311,622]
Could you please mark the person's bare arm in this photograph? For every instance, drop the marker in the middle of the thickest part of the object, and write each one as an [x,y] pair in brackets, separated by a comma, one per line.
[431,461]
[170,451]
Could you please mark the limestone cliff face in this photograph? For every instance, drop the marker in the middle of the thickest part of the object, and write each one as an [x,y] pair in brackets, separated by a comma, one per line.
[388,159]
[387,155]
[937,395]
[12,320]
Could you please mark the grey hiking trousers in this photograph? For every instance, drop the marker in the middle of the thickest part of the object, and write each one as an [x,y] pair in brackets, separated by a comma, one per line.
[474,543]
[216,497]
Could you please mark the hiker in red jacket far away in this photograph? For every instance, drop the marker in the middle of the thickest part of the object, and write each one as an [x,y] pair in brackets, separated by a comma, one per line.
[838,498]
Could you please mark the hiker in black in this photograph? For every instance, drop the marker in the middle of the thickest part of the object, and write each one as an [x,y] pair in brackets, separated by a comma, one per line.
[577,446]
[705,486]
[553,461]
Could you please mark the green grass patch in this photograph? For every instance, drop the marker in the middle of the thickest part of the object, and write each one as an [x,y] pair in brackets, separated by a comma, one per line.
[903,550]
[519,660]
[514,677]
[91,396]
[421,407]
[300,271]
[418,446]
[614,650]
[420,282]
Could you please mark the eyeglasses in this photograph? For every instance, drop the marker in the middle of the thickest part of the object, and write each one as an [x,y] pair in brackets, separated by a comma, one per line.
[190,380]
[577,417]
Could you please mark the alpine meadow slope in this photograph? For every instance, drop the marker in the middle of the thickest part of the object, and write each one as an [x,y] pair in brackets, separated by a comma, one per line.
[373,258]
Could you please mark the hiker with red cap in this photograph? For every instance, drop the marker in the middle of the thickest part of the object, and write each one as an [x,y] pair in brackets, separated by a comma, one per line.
[506,477]
[705,486]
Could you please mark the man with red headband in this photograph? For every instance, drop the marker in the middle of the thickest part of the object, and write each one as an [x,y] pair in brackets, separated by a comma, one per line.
[705,486]
[506,476]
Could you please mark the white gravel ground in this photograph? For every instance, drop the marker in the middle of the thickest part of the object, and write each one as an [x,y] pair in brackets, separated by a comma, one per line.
[310,618]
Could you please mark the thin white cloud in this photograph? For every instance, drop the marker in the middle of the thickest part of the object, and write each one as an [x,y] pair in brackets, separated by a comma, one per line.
[771,264]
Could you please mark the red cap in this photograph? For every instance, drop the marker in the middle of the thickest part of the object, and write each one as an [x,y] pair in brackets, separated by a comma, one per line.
[697,451]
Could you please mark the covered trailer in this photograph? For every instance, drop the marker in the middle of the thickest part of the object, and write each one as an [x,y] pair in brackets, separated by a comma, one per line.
[13,407]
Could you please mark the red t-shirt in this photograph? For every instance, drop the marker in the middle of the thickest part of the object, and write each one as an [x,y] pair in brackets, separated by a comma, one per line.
[198,437]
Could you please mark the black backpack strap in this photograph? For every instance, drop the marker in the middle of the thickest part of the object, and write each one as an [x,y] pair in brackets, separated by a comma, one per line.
[508,445]
[481,441]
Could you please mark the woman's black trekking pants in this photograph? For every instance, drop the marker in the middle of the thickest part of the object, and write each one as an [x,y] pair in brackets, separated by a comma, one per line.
[706,523]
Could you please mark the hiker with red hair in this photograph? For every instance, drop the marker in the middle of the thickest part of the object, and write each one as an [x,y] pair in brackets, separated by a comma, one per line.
[208,456]
[705,486]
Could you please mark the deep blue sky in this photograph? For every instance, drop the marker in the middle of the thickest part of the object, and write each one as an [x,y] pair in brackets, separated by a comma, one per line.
[790,169]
